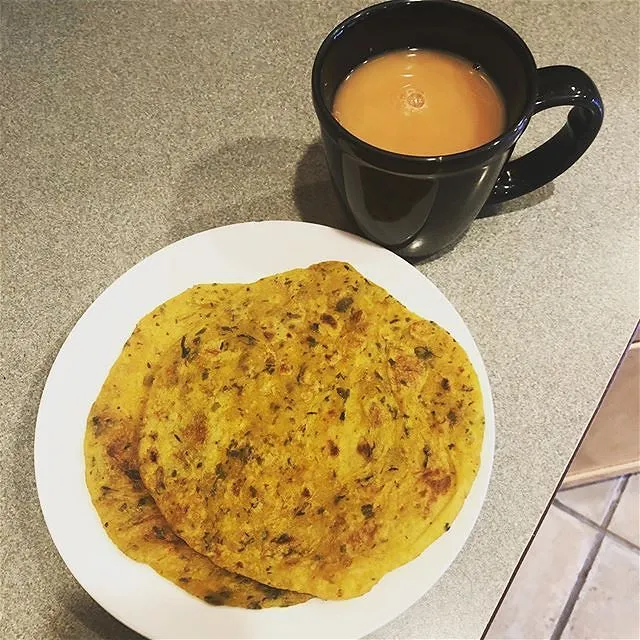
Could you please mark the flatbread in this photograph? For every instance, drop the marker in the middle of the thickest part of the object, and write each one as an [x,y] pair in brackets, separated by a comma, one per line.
[125,507]
[315,436]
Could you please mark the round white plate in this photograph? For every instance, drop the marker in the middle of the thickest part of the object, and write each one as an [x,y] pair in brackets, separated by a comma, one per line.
[133,592]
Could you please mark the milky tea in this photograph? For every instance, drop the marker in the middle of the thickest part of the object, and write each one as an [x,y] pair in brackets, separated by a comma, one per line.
[420,102]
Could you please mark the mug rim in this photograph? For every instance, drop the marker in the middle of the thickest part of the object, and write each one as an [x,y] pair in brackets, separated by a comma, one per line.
[470,156]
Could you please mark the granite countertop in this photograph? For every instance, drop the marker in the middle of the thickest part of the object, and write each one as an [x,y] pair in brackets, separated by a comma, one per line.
[129,125]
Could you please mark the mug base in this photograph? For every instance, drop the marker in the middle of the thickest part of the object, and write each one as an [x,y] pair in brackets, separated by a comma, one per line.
[415,256]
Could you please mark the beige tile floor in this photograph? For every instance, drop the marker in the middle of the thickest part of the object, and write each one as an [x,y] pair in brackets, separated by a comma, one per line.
[581,576]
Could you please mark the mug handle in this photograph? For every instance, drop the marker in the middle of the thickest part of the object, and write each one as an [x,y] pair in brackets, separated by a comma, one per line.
[557,86]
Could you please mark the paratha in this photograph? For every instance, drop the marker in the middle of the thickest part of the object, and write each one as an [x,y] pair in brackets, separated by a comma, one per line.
[316,436]
[126,509]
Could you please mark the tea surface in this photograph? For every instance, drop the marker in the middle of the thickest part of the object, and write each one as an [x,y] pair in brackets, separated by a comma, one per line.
[420,102]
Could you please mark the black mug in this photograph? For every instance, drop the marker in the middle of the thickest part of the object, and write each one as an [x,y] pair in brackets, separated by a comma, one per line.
[420,206]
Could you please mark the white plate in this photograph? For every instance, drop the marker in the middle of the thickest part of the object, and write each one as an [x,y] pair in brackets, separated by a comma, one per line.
[133,592]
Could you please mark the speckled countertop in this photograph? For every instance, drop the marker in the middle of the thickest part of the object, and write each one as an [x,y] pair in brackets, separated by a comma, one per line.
[128,125]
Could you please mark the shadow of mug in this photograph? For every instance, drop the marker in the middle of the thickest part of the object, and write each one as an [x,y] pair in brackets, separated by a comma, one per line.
[272,179]
[315,195]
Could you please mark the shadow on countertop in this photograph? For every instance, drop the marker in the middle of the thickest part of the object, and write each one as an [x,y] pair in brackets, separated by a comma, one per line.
[518,204]
[250,180]
[315,194]
[92,616]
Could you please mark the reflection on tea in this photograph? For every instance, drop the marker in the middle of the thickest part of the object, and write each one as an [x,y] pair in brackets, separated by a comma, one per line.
[420,102]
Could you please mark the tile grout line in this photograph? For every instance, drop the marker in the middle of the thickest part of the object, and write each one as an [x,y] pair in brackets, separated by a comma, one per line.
[581,578]
[594,525]
[577,515]
[623,541]
[582,518]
